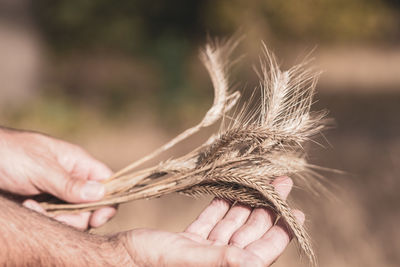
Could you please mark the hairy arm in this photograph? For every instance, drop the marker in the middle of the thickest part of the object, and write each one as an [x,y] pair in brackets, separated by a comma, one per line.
[223,235]
[32,163]
[30,239]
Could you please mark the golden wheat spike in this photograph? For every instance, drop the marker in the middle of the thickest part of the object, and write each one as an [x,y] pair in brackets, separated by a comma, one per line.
[240,161]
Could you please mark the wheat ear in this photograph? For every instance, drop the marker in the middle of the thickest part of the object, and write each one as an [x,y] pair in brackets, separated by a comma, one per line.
[215,59]
[252,148]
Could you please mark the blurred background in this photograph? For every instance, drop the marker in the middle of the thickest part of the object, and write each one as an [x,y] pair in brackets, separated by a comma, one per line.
[121,78]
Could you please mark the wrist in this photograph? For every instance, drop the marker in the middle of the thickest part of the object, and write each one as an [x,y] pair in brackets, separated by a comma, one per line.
[114,251]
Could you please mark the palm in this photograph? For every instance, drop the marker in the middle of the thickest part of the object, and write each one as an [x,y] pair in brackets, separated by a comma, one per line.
[221,236]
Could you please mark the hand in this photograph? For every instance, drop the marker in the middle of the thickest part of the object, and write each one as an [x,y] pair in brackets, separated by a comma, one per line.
[220,236]
[32,163]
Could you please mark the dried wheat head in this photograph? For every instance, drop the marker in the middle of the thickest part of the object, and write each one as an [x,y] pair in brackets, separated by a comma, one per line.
[254,146]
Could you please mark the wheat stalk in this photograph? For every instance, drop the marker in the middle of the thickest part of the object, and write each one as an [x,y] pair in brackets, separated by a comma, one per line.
[245,156]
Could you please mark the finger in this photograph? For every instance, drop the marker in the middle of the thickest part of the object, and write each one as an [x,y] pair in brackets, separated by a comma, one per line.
[97,170]
[79,221]
[101,216]
[60,184]
[274,242]
[209,218]
[261,219]
[79,163]
[33,205]
[233,220]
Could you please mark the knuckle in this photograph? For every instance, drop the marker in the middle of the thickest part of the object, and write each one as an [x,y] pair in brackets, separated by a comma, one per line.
[260,220]
[71,188]
[230,256]
[236,240]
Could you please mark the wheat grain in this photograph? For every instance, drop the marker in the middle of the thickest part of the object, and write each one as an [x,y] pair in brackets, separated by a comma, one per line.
[240,161]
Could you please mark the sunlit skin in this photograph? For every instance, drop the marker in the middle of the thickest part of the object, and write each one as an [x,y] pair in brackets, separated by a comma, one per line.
[222,235]
[33,163]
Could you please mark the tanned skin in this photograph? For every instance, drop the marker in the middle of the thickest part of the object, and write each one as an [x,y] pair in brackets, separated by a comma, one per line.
[32,163]
[30,239]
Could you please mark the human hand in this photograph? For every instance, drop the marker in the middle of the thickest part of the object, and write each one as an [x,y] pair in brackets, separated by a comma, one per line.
[32,163]
[221,236]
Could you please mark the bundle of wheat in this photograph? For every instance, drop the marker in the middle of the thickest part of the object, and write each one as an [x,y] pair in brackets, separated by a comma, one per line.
[252,148]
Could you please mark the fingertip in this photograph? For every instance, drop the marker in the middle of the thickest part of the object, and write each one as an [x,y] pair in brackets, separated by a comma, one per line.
[92,191]
[220,203]
[300,216]
[208,218]
[100,175]
[79,221]
[101,216]
[72,189]
[99,171]
[283,180]
[283,185]
[33,205]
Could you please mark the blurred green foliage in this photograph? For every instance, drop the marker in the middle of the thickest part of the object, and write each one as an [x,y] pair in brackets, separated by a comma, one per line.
[160,38]
[124,25]
[135,25]
[318,20]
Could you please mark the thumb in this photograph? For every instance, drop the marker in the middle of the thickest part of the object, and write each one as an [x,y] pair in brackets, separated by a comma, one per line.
[60,184]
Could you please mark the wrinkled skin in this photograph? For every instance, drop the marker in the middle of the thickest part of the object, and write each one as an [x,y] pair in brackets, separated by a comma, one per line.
[222,235]
[33,164]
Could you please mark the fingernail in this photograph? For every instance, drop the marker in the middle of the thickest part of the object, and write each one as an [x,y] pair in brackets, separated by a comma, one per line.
[92,191]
